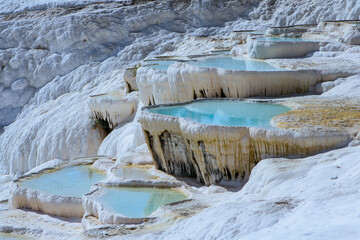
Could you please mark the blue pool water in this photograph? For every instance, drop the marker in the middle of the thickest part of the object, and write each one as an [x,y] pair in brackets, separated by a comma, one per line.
[226,113]
[285,39]
[130,172]
[225,52]
[6,236]
[160,65]
[138,202]
[231,63]
[72,181]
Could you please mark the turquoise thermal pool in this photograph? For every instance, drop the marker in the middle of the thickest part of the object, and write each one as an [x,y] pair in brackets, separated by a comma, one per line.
[160,65]
[231,63]
[225,52]
[138,202]
[129,172]
[74,181]
[285,39]
[225,113]
[7,236]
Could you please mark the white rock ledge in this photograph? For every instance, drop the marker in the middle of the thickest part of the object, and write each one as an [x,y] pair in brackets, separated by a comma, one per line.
[62,206]
[112,108]
[46,203]
[211,153]
[184,82]
[267,49]
[106,216]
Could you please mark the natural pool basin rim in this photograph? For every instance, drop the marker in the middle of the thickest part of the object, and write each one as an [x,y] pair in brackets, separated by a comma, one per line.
[48,203]
[80,162]
[106,215]
[230,151]
[275,102]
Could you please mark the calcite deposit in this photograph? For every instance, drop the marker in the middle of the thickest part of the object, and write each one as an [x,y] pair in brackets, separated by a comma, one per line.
[184,82]
[265,49]
[211,153]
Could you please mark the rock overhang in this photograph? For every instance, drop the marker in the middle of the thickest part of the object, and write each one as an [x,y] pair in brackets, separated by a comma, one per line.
[211,153]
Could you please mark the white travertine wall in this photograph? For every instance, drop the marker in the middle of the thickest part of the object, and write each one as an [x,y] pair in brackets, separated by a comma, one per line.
[45,203]
[211,153]
[266,49]
[113,109]
[58,57]
[184,82]
[105,216]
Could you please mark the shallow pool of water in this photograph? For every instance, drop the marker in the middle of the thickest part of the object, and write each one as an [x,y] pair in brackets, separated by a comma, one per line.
[225,52]
[7,236]
[285,39]
[72,181]
[226,113]
[130,172]
[231,63]
[160,65]
[138,202]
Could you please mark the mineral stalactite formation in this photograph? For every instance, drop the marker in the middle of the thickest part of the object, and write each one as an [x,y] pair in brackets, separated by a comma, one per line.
[184,82]
[211,153]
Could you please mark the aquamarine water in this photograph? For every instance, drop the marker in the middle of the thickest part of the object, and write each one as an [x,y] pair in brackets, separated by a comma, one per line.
[226,113]
[130,172]
[138,202]
[6,236]
[225,52]
[72,181]
[285,39]
[161,65]
[231,63]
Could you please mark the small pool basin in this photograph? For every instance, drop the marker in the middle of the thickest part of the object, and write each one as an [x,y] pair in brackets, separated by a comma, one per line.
[131,172]
[74,181]
[225,112]
[159,64]
[285,39]
[138,202]
[232,63]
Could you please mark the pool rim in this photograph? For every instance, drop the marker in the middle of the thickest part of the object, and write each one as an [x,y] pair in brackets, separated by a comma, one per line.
[270,101]
[106,215]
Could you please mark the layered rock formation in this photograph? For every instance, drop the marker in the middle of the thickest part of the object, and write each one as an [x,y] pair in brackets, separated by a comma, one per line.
[184,82]
[212,153]
[265,49]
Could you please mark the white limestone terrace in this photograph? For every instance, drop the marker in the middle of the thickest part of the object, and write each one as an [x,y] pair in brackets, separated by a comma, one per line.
[56,122]
[274,47]
[38,190]
[206,140]
[232,78]
[113,108]
[83,52]
[134,205]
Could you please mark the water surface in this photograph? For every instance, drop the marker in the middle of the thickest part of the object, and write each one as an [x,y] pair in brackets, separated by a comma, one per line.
[130,172]
[138,202]
[232,63]
[72,181]
[286,39]
[160,65]
[226,113]
[8,236]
